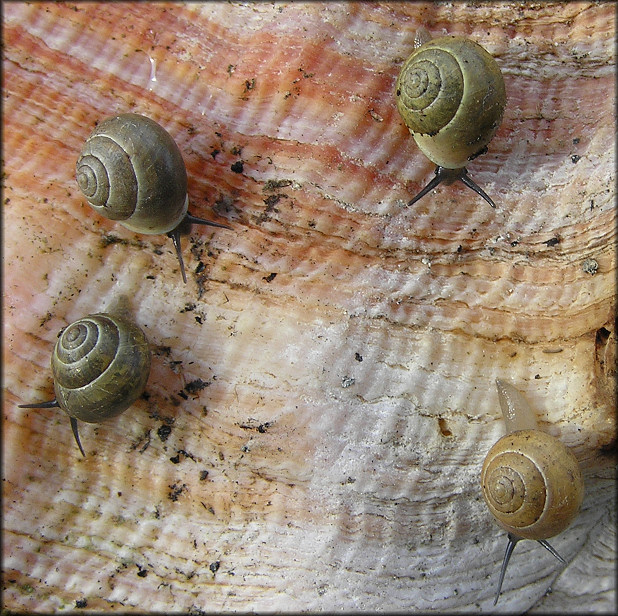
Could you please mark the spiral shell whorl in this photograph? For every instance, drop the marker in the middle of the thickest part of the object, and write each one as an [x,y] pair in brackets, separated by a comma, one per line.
[532,484]
[131,170]
[107,180]
[101,364]
[429,90]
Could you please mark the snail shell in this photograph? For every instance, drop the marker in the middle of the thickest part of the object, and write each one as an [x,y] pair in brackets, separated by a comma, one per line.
[131,170]
[532,484]
[100,365]
[451,96]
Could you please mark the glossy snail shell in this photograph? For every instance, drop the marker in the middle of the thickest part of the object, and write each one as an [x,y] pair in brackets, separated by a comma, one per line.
[100,365]
[451,96]
[532,484]
[131,170]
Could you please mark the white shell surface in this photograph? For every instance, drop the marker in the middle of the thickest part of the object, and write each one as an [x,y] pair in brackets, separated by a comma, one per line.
[322,390]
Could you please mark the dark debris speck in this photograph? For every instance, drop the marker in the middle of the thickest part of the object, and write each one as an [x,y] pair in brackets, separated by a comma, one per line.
[196,386]
[214,567]
[163,432]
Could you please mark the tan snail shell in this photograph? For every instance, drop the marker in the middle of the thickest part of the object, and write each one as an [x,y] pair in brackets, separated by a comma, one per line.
[131,170]
[451,96]
[100,365]
[531,482]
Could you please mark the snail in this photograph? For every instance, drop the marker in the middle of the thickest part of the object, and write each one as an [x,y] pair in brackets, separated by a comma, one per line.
[451,96]
[531,482]
[131,170]
[100,365]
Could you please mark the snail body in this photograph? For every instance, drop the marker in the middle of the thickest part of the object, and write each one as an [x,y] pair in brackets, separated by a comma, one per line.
[451,96]
[531,482]
[100,365]
[131,170]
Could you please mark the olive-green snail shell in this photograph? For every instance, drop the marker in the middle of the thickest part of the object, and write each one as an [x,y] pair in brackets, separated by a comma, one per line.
[131,170]
[100,365]
[532,484]
[451,95]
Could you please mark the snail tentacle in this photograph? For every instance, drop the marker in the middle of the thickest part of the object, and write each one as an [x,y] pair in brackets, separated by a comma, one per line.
[195,220]
[40,405]
[175,236]
[54,404]
[76,434]
[510,546]
[470,183]
[551,550]
[448,176]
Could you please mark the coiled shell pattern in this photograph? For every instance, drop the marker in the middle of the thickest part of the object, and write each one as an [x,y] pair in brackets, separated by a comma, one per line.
[532,484]
[131,170]
[100,364]
[451,95]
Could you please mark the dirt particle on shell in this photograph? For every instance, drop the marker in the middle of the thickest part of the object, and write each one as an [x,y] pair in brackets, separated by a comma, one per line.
[176,490]
[272,200]
[590,266]
[272,185]
[48,316]
[444,429]
[196,386]
[347,381]
[163,432]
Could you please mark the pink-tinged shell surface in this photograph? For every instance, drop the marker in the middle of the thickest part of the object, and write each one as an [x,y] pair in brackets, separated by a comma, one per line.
[322,390]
